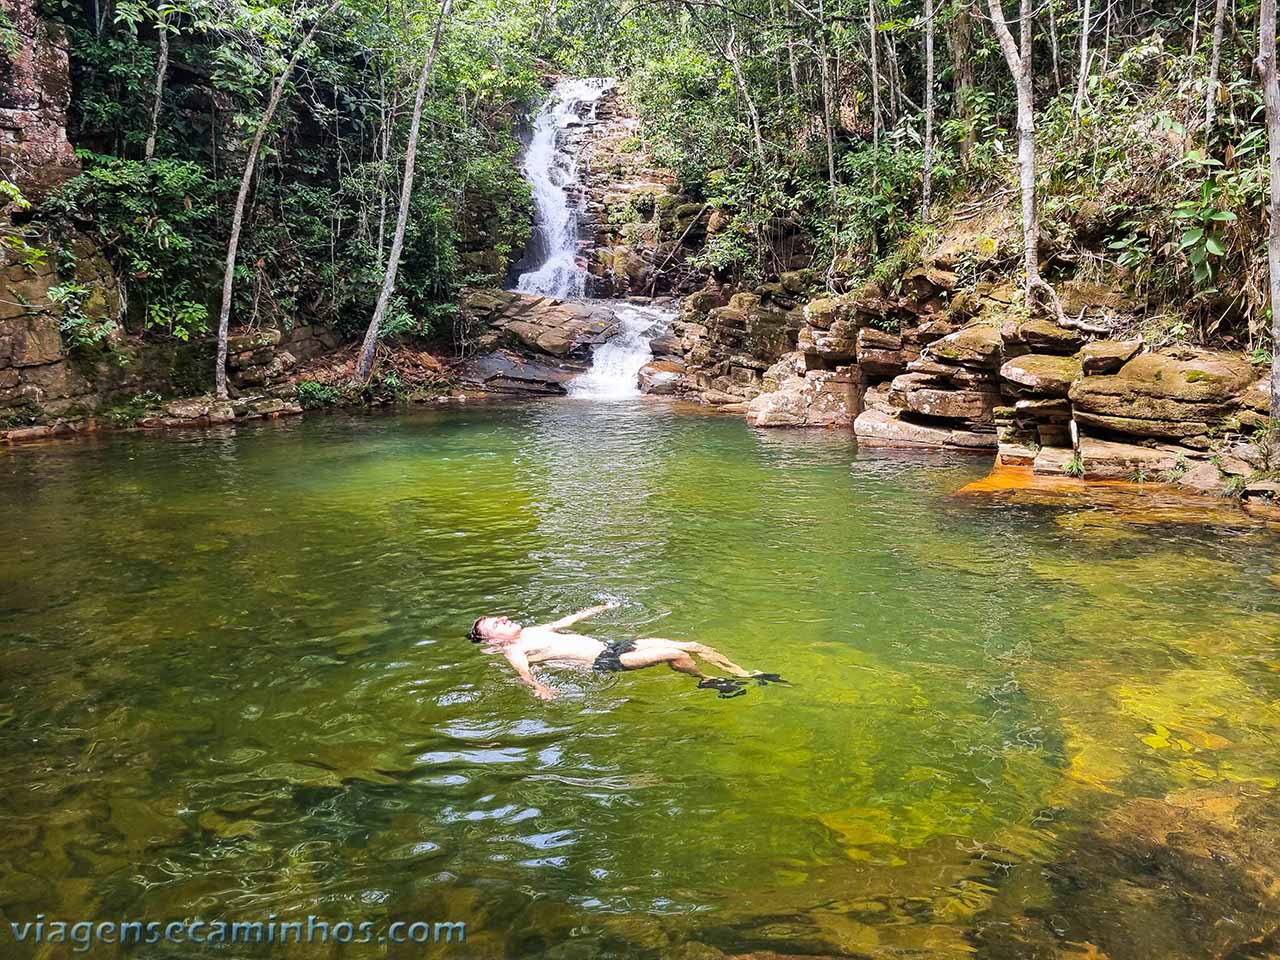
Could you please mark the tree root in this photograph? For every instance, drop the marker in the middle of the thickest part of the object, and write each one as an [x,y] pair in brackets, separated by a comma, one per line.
[1054,306]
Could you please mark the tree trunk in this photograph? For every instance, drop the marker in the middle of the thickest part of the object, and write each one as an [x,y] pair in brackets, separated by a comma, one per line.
[364,365]
[237,216]
[1053,45]
[1215,57]
[1019,62]
[162,67]
[1271,99]
[875,75]
[962,55]
[791,55]
[1082,76]
[927,188]
[828,119]
[753,115]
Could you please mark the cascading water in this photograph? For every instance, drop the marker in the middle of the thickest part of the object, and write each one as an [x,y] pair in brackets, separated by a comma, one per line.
[551,165]
[615,363]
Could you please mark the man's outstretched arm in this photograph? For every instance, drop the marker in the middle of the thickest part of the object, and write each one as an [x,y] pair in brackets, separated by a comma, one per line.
[520,663]
[573,618]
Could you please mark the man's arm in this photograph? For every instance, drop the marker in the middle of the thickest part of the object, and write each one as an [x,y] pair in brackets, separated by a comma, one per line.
[521,665]
[573,618]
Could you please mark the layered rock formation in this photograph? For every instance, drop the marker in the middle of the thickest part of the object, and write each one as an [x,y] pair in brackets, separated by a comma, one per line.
[933,367]
[523,343]
[642,231]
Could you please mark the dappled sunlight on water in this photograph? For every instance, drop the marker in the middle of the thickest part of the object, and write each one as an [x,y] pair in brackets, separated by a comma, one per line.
[236,683]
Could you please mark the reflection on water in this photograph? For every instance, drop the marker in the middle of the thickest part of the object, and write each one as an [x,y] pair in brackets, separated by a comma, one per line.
[235,683]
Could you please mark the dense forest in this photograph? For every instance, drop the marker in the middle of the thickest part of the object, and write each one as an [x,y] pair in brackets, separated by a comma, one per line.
[837,136]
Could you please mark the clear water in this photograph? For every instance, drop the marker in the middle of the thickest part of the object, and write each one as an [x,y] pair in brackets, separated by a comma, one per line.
[235,684]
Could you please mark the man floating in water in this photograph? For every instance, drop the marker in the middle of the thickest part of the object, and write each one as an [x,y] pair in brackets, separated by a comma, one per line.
[523,646]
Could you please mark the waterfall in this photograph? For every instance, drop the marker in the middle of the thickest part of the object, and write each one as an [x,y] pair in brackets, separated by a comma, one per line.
[551,165]
[615,363]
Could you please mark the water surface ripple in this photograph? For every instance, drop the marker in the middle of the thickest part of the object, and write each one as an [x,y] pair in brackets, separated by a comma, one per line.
[235,683]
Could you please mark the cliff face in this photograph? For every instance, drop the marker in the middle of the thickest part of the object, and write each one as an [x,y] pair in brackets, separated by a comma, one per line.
[642,231]
[35,91]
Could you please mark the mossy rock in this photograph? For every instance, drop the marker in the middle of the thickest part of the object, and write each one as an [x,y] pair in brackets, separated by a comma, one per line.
[1043,374]
[978,344]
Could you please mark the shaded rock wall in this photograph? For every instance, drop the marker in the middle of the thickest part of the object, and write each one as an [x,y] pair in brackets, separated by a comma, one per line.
[35,91]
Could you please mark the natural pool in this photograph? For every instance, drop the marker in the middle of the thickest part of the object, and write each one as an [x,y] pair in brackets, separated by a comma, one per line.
[234,683]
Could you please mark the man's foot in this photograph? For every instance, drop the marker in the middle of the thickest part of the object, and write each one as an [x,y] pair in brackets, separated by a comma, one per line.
[728,687]
[764,679]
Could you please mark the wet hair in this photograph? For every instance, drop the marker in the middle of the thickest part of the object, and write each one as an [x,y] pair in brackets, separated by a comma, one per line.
[475,636]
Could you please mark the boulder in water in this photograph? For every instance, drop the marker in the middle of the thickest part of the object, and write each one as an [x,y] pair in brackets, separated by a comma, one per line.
[663,378]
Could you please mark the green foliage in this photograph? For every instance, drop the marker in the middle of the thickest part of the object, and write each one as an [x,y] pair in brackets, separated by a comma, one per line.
[10,41]
[312,394]
[78,330]
[155,222]
[127,414]
[1202,241]
[181,319]
[16,240]
[317,228]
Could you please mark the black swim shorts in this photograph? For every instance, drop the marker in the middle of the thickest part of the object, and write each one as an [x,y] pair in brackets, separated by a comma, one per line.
[610,658]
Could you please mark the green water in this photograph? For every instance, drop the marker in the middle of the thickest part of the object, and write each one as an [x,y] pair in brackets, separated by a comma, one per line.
[233,683]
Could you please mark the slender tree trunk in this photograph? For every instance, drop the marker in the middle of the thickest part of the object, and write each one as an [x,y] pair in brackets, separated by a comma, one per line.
[896,96]
[875,74]
[1215,57]
[1053,45]
[1082,75]
[828,123]
[1106,38]
[1017,56]
[162,67]
[791,54]
[928,111]
[237,215]
[1271,99]
[364,365]
[1195,27]
[752,114]
[962,55]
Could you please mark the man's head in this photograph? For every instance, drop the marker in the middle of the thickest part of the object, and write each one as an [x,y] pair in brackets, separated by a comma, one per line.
[491,629]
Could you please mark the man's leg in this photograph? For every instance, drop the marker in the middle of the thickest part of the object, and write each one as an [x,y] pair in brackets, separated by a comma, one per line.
[710,654]
[648,654]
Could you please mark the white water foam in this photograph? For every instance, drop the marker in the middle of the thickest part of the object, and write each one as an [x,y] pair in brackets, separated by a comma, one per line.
[615,363]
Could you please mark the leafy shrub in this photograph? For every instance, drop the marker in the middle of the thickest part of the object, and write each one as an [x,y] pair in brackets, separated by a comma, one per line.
[156,222]
[313,394]
[79,331]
